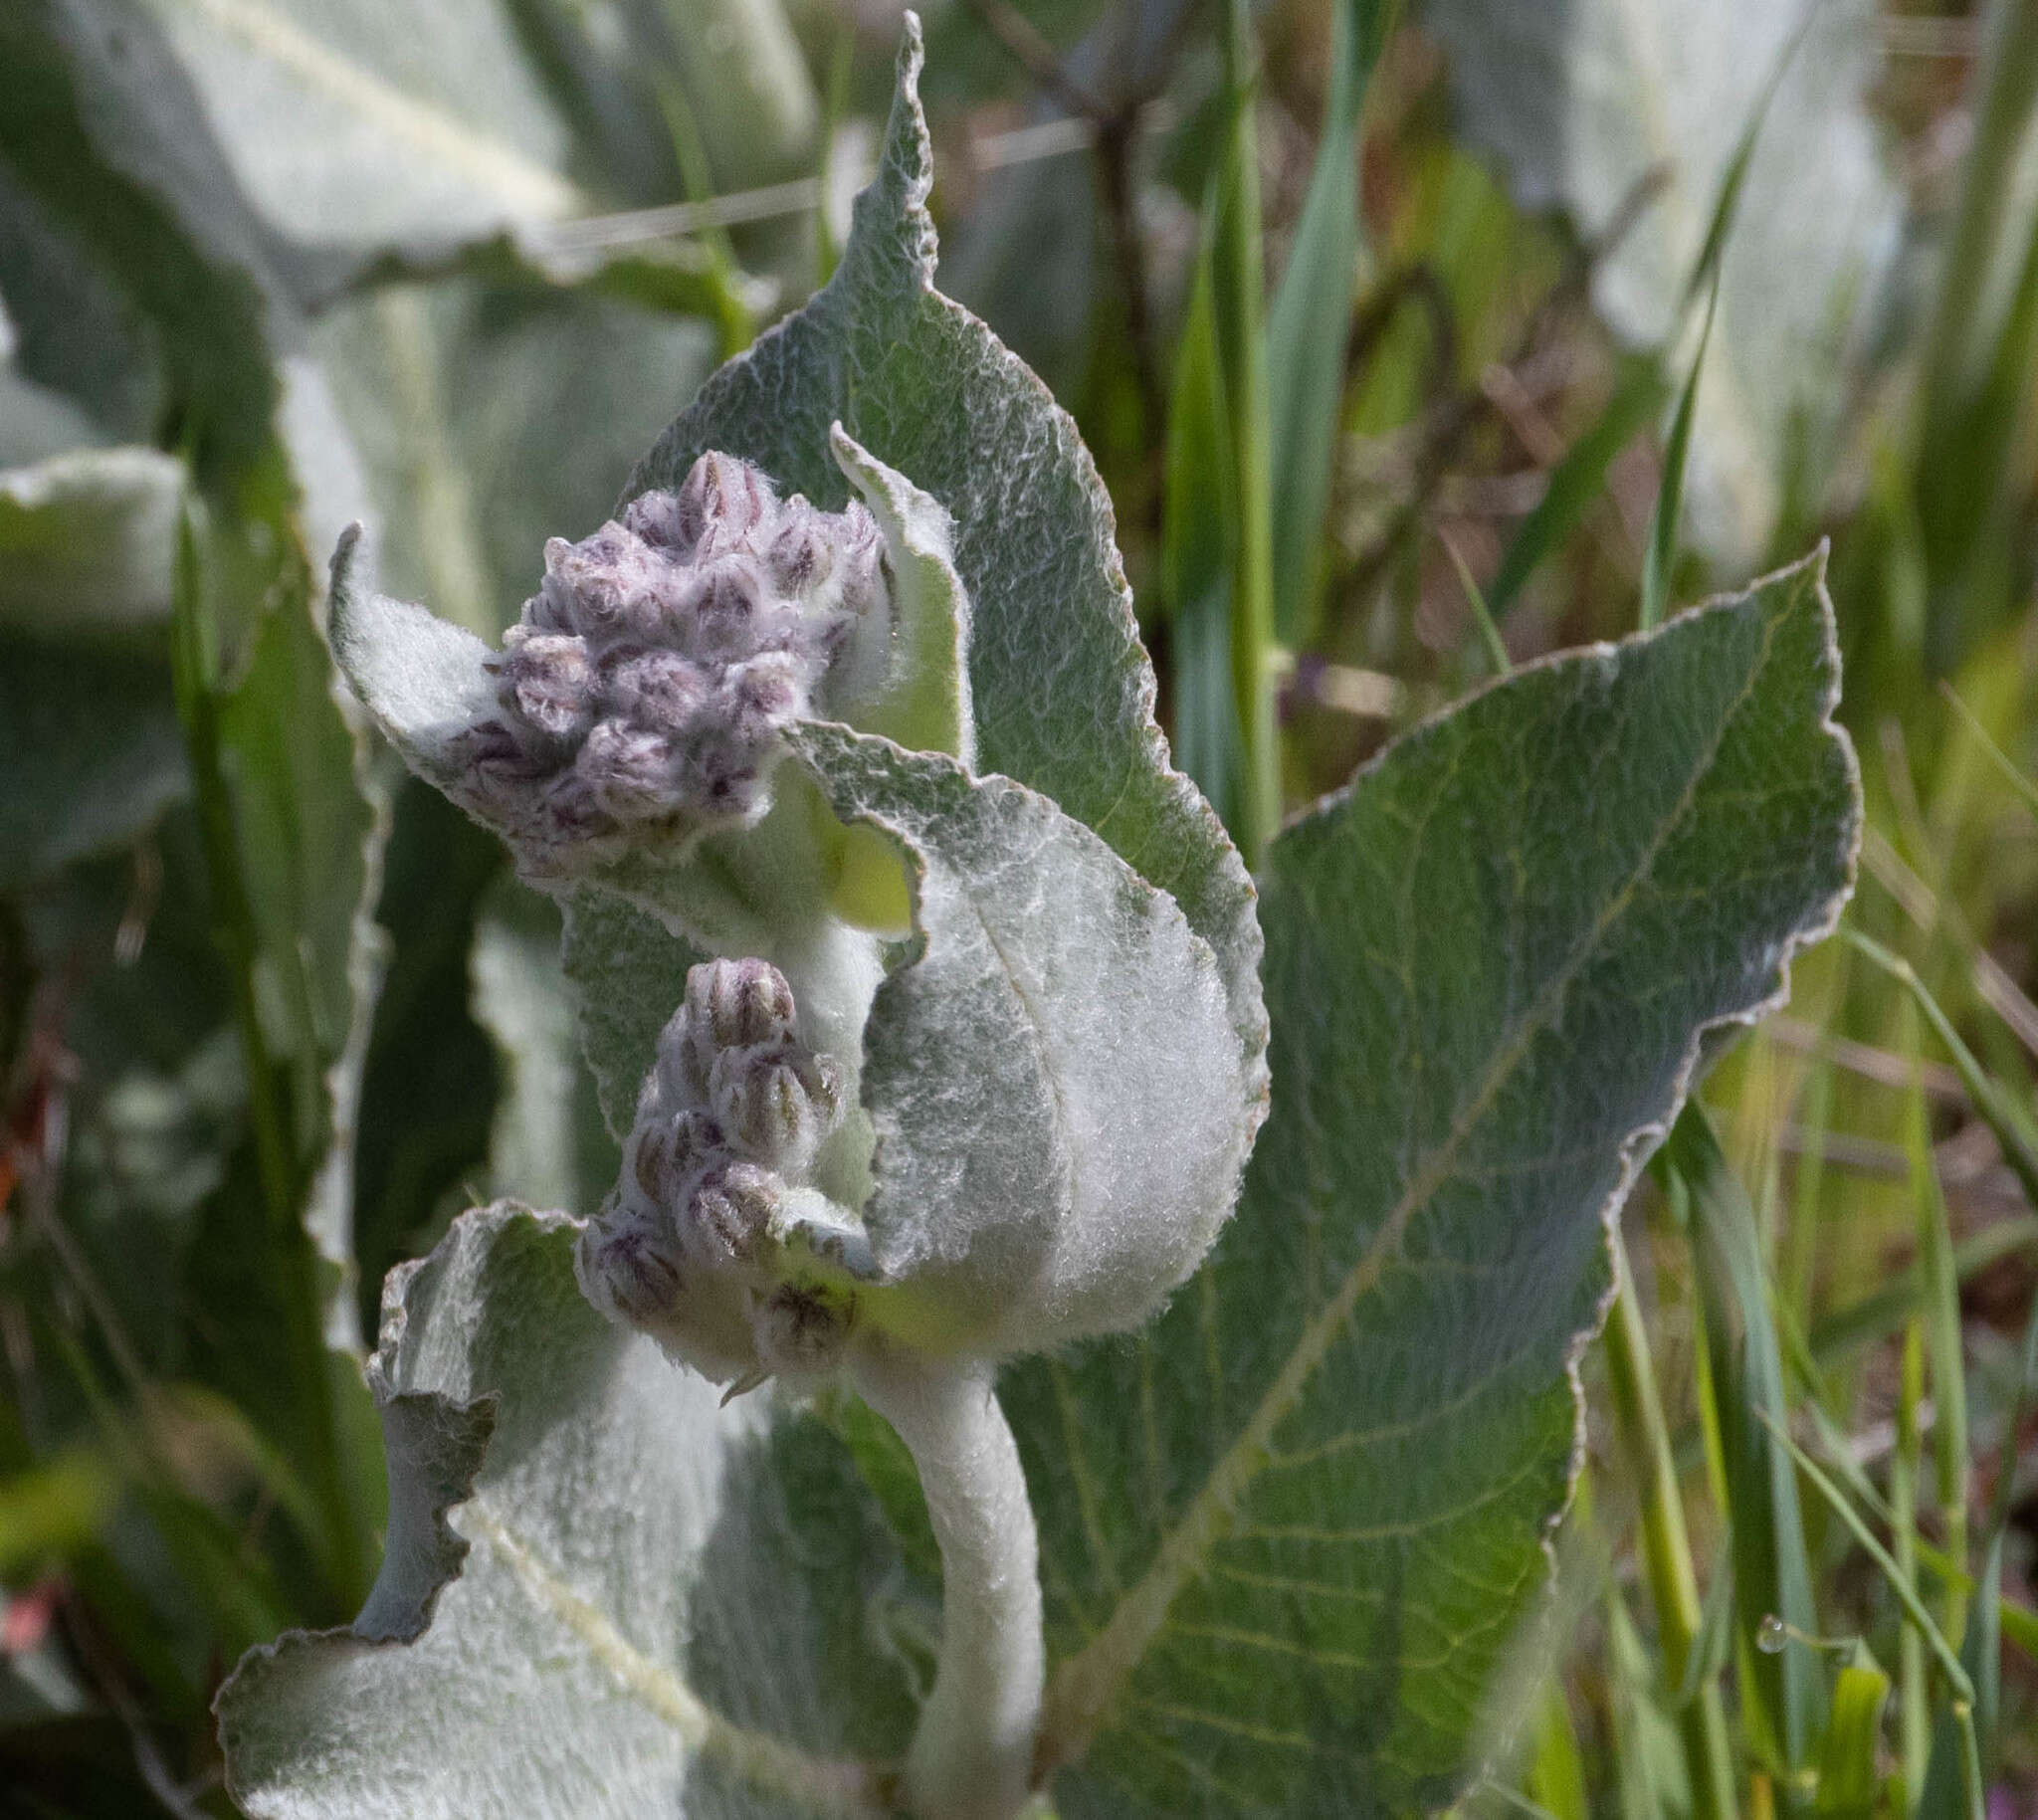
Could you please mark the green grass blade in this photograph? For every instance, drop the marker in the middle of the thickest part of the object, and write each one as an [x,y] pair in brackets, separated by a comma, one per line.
[2004,1117]
[1883,1312]
[1772,1567]
[1238,303]
[1660,556]
[1942,1652]
[1311,320]
[1556,1769]
[2015,778]
[1632,1716]
[1482,616]
[1666,1548]
[1941,1328]
[1706,268]
[1980,344]
[1948,1661]
[1800,1254]
[1907,1471]
[1848,1783]
[1197,527]
[1575,482]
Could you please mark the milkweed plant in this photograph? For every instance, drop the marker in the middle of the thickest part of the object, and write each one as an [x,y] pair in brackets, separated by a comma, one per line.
[1077,1321]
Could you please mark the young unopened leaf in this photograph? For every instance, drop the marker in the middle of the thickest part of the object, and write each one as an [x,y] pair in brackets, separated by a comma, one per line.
[1061,1105]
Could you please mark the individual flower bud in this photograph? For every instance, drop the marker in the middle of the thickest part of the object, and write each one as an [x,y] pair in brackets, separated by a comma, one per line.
[721,503]
[803,1328]
[738,1004]
[802,556]
[776,1102]
[655,689]
[668,1153]
[547,679]
[753,699]
[656,518]
[626,772]
[629,1267]
[727,1215]
[726,603]
[633,1271]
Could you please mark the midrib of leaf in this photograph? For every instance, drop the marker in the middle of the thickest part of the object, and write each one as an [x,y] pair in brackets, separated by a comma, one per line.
[1084,1687]
[828,1786]
[518,180]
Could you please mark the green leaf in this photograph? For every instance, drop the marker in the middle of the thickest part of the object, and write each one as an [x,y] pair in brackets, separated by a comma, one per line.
[347,136]
[918,695]
[292,840]
[310,828]
[1290,1532]
[419,676]
[1061,1106]
[95,133]
[87,543]
[631,973]
[1579,103]
[1311,322]
[1064,694]
[605,1594]
[549,1146]
[90,750]
[490,415]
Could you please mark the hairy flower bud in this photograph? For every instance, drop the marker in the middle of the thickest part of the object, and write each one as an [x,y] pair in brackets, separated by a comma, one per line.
[646,692]
[717,1242]
[776,1102]
[736,1004]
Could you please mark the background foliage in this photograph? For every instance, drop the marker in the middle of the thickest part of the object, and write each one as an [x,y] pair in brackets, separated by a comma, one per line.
[1409,348]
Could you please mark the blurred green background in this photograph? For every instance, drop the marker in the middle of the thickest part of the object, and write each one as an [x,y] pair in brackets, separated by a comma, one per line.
[1411,341]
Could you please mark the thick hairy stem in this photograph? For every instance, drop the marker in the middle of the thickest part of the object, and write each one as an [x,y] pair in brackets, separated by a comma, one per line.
[972,1755]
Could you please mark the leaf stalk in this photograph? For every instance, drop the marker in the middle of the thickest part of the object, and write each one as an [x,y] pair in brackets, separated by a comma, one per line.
[972,1755]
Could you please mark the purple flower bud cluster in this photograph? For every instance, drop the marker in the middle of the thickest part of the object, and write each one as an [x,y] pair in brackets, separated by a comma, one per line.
[690,1248]
[641,700]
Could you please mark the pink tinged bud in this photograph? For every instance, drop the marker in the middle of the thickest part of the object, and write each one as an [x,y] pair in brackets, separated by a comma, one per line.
[654,517]
[754,699]
[776,1102]
[727,1216]
[545,677]
[738,1004]
[722,776]
[626,772]
[656,689]
[724,604]
[667,1153]
[629,1269]
[721,503]
[801,556]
